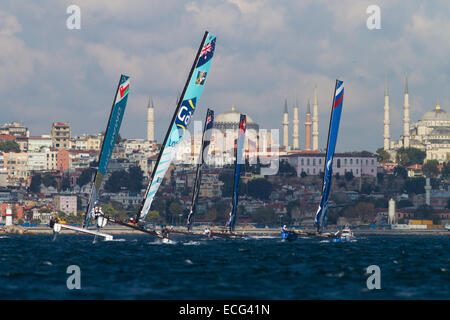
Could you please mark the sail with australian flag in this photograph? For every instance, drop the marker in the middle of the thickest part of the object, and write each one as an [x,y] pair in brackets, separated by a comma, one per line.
[109,141]
[206,137]
[335,118]
[181,119]
[237,171]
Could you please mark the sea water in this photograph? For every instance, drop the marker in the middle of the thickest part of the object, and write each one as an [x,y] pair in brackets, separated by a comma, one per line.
[140,267]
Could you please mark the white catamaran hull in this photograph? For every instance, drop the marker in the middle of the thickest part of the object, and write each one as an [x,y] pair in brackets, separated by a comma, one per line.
[57,228]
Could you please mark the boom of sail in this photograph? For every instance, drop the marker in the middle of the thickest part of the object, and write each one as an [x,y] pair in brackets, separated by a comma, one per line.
[109,141]
[198,176]
[335,118]
[237,170]
[181,119]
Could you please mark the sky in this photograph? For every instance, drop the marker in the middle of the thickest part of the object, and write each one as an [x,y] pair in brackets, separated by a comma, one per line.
[266,51]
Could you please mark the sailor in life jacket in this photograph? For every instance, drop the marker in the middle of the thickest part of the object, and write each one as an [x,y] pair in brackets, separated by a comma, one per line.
[284,229]
[97,212]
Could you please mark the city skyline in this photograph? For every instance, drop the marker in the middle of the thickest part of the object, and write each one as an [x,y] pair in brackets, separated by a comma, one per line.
[71,76]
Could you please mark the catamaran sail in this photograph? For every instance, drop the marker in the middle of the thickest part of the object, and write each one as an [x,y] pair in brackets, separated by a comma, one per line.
[336,110]
[109,141]
[181,119]
[237,170]
[198,176]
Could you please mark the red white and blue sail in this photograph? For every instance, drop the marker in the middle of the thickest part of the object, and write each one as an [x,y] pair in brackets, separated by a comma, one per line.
[109,141]
[335,119]
[237,170]
[183,114]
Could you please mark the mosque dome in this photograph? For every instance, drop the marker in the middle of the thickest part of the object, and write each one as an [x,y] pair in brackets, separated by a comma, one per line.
[230,120]
[231,116]
[437,114]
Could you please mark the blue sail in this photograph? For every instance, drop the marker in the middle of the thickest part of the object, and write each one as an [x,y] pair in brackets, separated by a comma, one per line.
[109,141]
[237,170]
[335,119]
[182,118]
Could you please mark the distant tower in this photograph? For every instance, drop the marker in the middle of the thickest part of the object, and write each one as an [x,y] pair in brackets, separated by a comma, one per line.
[285,126]
[315,122]
[406,116]
[391,217]
[150,121]
[427,191]
[295,137]
[308,128]
[387,123]
[8,218]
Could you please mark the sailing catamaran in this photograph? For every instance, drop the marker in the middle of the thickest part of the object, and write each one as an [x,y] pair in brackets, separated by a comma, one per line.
[335,118]
[109,141]
[198,176]
[237,173]
[180,121]
[321,214]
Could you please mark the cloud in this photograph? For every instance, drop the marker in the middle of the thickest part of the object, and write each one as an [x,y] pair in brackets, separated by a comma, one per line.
[266,51]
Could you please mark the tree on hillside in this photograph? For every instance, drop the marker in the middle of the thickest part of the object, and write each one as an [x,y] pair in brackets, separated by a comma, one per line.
[425,212]
[414,185]
[286,170]
[116,211]
[430,168]
[159,205]
[446,170]
[35,185]
[85,177]
[65,184]
[259,188]
[400,171]
[9,146]
[404,204]
[264,216]
[116,181]
[135,178]
[383,155]
[410,156]
[349,176]
[49,180]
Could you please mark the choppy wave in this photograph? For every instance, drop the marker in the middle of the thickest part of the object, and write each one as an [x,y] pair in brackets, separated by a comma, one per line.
[142,267]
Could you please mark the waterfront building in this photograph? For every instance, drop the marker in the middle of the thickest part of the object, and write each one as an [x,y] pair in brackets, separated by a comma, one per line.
[67,204]
[313,163]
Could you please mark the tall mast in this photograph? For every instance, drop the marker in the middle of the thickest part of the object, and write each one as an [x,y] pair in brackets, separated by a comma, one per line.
[181,119]
[335,117]
[198,176]
[237,170]
[109,141]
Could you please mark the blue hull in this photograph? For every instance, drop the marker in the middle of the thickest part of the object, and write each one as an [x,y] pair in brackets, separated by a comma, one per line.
[290,236]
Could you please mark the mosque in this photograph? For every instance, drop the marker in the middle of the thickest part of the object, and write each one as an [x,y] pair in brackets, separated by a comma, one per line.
[227,123]
[430,134]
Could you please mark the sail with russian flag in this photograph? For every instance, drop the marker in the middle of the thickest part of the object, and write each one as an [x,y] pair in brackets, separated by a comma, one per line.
[335,118]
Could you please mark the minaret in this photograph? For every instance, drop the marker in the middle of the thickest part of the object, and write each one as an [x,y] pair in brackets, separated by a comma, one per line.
[387,123]
[308,128]
[285,126]
[150,121]
[295,137]
[315,122]
[406,116]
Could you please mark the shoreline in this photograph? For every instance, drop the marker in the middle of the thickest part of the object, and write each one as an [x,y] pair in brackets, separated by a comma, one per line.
[121,230]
